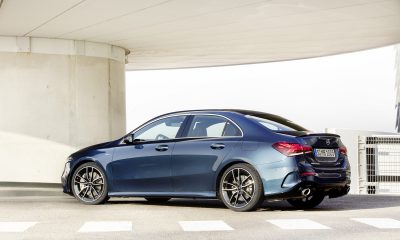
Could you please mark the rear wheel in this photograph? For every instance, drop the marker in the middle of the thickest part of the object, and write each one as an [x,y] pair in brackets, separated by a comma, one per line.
[158,199]
[240,188]
[89,184]
[307,202]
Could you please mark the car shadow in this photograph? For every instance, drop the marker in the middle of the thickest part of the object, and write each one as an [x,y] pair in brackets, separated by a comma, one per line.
[349,202]
[175,202]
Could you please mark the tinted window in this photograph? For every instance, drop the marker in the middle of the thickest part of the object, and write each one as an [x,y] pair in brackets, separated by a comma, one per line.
[231,130]
[212,126]
[163,129]
[277,123]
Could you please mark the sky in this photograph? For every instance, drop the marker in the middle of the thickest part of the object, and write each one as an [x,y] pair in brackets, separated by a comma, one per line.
[347,91]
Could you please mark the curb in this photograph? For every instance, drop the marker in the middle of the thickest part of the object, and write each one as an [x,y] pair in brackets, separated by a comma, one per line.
[27,189]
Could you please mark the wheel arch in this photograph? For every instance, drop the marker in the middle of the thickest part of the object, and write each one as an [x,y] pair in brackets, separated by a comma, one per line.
[72,171]
[223,169]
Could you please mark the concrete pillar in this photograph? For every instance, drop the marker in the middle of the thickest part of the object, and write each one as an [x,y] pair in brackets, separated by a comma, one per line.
[56,96]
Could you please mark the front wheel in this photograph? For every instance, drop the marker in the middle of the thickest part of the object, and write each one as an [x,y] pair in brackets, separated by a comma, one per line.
[307,202]
[89,184]
[240,188]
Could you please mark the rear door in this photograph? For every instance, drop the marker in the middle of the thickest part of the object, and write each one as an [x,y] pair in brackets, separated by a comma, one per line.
[207,140]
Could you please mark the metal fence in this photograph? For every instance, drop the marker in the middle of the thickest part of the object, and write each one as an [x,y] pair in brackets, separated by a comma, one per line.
[379,164]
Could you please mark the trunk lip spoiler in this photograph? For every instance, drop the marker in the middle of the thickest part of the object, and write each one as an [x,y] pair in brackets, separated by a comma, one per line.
[307,134]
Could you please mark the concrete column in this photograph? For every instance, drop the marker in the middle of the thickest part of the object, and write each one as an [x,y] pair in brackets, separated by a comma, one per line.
[56,96]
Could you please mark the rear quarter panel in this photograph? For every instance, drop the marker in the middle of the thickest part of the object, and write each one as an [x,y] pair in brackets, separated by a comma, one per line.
[256,149]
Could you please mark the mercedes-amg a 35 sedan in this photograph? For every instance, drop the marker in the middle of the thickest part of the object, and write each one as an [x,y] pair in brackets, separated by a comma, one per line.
[240,157]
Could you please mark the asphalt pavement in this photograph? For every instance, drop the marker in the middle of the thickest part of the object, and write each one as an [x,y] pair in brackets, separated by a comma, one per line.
[58,216]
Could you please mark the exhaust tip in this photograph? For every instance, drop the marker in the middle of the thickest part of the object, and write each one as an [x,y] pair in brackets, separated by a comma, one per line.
[305,192]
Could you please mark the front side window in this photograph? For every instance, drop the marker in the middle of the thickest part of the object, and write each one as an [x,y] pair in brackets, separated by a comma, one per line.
[162,129]
[212,126]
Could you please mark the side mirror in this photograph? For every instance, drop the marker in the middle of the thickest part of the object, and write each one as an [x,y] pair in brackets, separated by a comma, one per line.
[128,139]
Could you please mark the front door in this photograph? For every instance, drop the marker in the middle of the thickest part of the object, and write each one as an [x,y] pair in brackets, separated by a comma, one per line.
[145,165]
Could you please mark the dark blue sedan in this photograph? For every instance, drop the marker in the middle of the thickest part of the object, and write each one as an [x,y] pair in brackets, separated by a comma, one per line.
[240,157]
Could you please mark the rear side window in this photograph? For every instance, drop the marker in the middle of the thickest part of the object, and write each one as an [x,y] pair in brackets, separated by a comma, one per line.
[212,126]
[277,123]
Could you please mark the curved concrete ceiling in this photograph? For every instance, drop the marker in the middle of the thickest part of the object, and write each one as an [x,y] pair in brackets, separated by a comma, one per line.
[192,33]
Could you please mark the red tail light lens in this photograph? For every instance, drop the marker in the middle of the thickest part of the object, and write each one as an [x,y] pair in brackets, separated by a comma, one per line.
[343,150]
[306,174]
[291,149]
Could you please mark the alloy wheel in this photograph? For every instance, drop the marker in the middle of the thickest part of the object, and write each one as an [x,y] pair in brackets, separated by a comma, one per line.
[88,184]
[238,187]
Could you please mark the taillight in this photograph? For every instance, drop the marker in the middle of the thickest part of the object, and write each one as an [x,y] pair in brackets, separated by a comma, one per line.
[343,150]
[306,174]
[291,149]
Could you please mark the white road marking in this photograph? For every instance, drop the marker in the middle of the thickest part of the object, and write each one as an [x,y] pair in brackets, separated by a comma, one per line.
[198,226]
[106,226]
[292,224]
[379,222]
[15,226]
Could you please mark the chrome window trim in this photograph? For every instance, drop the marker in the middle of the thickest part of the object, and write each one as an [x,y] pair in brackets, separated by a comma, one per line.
[191,114]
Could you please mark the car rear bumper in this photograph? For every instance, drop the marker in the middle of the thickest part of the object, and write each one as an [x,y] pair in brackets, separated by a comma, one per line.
[330,185]
[331,190]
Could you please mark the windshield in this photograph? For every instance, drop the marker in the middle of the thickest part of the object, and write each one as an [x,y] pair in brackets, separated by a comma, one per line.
[276,123]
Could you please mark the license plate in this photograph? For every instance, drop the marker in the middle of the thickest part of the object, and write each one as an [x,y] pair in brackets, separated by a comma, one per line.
[325,153]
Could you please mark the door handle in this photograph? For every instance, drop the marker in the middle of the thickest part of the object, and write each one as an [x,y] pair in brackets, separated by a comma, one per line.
[162,148]
[217,146]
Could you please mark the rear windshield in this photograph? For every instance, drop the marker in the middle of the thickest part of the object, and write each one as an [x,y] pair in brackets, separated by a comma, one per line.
[276,123]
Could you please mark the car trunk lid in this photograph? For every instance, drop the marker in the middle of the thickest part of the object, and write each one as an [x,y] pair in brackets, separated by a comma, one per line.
[325,146]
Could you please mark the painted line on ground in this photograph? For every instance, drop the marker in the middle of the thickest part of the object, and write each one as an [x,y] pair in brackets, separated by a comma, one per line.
[383,223]
[200,226]
[106,226]
[296,224]
[12,227]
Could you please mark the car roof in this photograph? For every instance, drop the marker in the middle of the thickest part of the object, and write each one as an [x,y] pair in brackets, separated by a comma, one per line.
[258,114]
[243,112]
[240,111]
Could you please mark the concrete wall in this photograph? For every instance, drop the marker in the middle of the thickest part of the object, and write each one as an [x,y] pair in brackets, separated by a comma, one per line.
[350,140]
[52,105]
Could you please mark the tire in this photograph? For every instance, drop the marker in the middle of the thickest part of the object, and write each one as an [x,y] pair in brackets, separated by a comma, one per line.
[157,199]
[89,184]
[241,188]
[308,202]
